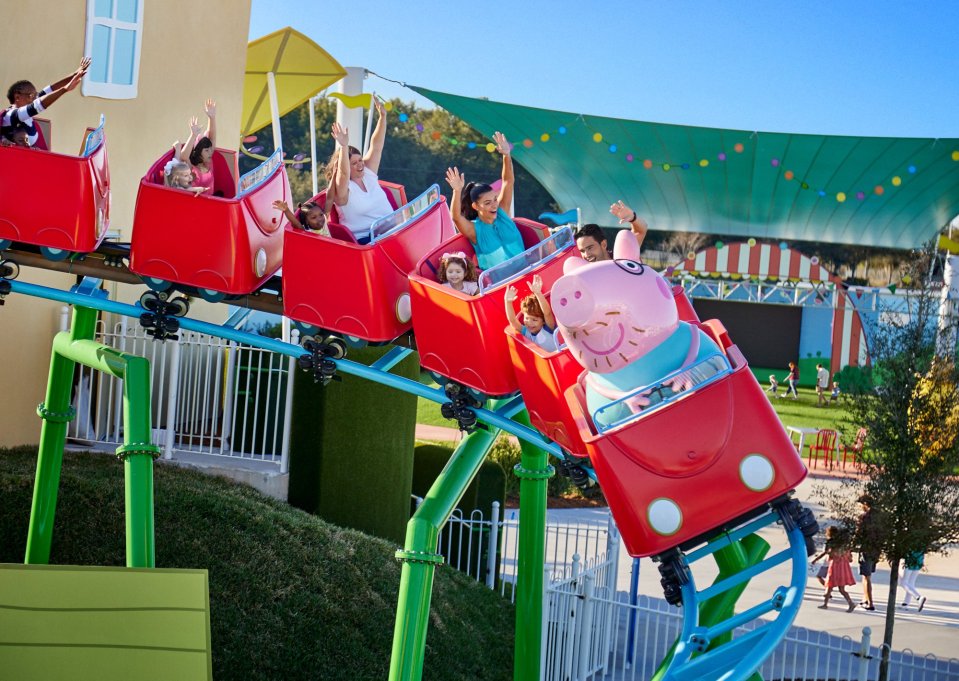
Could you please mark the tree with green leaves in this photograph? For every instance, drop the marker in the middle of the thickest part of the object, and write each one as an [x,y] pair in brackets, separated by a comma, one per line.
[911,457]
[418,151]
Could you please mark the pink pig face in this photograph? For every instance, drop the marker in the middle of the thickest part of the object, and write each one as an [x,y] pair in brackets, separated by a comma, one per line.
[615,311]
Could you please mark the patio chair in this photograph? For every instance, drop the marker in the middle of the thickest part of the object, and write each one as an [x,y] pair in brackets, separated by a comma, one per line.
[854,453]
[824,447]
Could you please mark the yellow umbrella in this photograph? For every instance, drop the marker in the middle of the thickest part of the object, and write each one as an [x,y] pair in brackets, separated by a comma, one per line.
[300,67]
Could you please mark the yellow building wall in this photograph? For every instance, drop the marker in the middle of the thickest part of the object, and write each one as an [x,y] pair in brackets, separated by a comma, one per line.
[190,51]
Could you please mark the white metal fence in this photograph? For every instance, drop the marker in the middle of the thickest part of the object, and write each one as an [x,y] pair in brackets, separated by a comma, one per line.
[210,396]
[591,631]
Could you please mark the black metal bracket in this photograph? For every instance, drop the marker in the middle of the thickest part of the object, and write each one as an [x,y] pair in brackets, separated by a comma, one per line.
[320,356]
[674,572]
[460,407]
[160,319]
[576,472]
[9,270]
[794,514]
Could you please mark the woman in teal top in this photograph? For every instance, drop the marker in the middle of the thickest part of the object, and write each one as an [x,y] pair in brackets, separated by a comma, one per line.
[477,213]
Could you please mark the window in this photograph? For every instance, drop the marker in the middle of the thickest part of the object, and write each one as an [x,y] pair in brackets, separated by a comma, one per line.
[114,34]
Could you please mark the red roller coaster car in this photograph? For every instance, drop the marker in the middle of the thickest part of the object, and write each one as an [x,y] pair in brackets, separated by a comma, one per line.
[58,202]
[362,291]
[460,336]
[694,462]
[226,244]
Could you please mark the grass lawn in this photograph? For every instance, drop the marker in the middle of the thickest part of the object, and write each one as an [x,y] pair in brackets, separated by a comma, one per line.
[291,597]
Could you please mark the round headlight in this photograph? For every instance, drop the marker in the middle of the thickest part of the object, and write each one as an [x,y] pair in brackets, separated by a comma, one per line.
[259,262]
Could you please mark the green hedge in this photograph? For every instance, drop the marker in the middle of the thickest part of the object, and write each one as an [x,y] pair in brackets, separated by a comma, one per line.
[351,449]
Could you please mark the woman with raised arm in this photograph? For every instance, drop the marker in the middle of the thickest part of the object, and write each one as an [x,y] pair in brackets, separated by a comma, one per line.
[479,215]
[355,187]
[198,150]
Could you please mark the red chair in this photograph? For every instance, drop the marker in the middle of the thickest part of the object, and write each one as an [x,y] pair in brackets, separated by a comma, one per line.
[854,453]
[824,447]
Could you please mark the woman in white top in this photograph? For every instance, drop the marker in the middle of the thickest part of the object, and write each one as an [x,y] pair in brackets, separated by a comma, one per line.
[355,186]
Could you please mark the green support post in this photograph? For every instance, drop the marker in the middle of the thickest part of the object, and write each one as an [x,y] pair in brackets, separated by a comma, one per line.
[533,471]
[69,349]
[420,556]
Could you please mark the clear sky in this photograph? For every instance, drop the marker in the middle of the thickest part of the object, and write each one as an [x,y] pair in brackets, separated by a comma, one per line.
[840,67]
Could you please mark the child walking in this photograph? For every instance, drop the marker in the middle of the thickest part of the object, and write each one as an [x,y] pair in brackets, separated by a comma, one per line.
[538,320]
[839,573]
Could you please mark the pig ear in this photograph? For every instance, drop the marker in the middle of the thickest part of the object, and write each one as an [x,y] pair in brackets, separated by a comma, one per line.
[626,247]
[573,263]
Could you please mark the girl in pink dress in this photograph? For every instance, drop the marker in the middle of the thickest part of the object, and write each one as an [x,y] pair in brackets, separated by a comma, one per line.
[839,574]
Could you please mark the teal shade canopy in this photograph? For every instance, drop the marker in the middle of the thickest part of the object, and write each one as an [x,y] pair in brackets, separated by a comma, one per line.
[893,192]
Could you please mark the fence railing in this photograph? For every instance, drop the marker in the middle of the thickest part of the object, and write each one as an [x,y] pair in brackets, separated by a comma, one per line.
[210,396]
[592,631]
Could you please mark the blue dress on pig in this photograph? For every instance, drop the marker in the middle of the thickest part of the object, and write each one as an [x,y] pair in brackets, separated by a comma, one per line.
[664,359]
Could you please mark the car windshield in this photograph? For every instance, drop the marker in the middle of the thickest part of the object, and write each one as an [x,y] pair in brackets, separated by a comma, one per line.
[520,264]
[404,215]
[260,174]
[656,395]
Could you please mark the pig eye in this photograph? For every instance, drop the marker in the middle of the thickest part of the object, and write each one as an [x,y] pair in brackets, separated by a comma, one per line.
[631,266]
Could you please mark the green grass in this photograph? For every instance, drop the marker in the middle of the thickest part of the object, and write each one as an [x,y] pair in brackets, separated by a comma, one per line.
[292,597]
[804,413]
[428,412]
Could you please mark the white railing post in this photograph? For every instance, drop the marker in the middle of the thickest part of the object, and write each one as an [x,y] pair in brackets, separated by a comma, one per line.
[173,387]
[226,430]
[572,617]
[864,648]
[64,317]
[288,412]
[585,627]
[547,607]
[493,544]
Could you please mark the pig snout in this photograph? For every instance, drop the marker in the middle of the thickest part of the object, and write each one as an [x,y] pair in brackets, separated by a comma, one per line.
[572,302]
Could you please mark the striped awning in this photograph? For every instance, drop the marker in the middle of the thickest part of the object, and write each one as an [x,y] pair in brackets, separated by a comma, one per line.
[758,262]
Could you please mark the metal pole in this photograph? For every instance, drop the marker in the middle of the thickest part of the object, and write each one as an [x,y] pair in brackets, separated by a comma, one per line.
[352,119]
[864,654]
[493,546]
[419,554]
[313,145]
[173,387]
[226,430]
[948,301]
[274,111]
[533,471]
[288,404]
[585,627]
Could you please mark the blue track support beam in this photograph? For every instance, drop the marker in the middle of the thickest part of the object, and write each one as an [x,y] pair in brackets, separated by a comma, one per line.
[731,537]
[391,359]
[274,345]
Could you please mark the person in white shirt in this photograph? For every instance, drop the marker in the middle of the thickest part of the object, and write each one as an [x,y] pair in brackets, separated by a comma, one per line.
[822,383]
[354,185]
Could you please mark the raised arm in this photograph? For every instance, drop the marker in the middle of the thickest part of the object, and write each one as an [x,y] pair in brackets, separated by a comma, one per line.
[341,176]
[506,190]
[284,208]
[457,181]
[536,286]
[43,102]
[510,298]
[81,71]
[191,141]
[627,215]
[378,140]
[210,110]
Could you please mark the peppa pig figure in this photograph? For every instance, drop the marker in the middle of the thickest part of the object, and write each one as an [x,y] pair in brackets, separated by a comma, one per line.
[620,322]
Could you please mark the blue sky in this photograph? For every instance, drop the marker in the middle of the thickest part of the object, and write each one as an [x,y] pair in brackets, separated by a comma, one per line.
[852,68]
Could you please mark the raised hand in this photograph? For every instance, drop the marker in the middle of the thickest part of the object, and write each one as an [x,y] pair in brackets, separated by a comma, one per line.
[536,286]
[623,212]
[195,126]
[84,65]
[282,205]
[341,135]
[210,108]
[75,80]
[456,179]
[380,109]
[510,294]
[502,146]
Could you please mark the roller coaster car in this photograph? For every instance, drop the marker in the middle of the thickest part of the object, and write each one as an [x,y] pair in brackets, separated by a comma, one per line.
[461,336]
[691,462]
[228,243]
[362,291]
[544,377]
[58,202]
